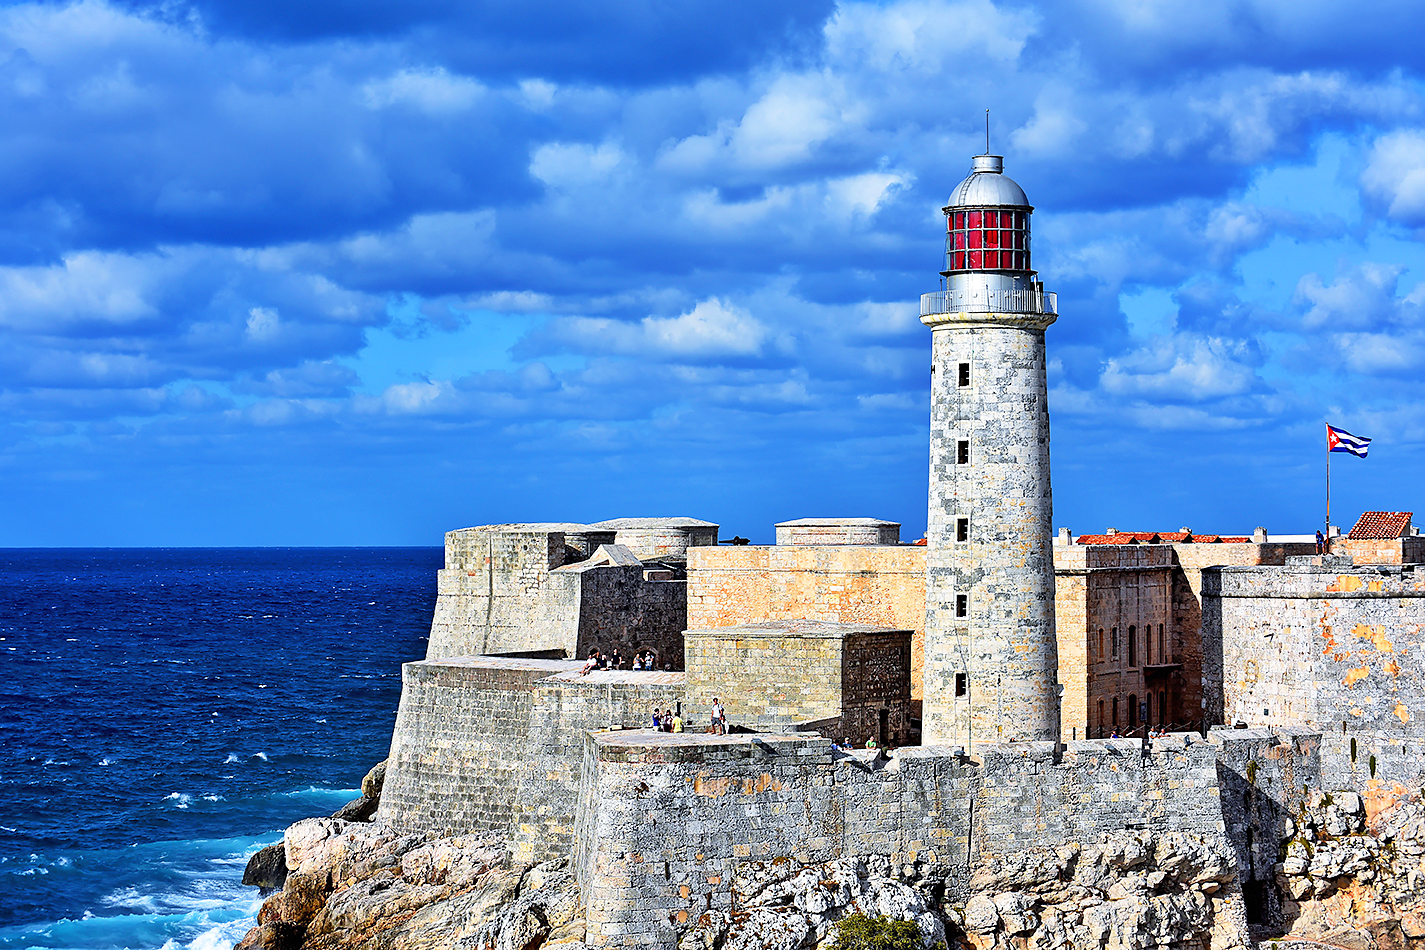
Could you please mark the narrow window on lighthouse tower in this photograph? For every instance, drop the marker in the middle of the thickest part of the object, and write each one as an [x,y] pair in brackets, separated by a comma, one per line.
[964,374]
[962,452]
[962,684]
[962,529]
[962,605]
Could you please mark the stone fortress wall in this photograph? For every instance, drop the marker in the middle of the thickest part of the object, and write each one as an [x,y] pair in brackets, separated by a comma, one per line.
[859,583]
[842,680]
[526,588]
[646,873]
[493,745]
[1328,645]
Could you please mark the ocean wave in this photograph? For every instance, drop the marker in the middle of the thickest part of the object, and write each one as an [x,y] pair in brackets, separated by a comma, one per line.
[179,799]
[315,791]
[232,757]
[259,755]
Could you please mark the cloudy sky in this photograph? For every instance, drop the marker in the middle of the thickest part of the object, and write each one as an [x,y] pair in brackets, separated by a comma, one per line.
[360,271]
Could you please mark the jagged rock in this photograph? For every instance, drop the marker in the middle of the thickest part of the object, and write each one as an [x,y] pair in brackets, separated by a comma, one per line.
[303,896]
[981,915]
[365,886]
[358,809]
[768,928]
[1015,913]
[458,862]
[706,933]
[275,936]
[267,869]
[372,783]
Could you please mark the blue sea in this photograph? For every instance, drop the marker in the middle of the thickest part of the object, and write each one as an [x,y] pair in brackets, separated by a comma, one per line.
[167,712]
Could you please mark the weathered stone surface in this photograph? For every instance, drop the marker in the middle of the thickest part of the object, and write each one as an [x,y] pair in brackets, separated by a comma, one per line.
[1352,883]
[267,868]
[358,809]
[366,887]
[373,781]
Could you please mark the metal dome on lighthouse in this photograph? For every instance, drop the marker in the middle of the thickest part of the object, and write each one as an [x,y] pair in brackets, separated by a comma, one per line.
[987,252]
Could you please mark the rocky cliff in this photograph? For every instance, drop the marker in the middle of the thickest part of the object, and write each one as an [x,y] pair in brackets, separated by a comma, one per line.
[1352,872]
[363,886]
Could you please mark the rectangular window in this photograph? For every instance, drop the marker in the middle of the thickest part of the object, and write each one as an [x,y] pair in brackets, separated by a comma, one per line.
[991,259]
[974,238]
[962,452]
[964,374]
[972,220]
[962,529]
[991,239]
[976,258]
[1113,644]
[991,219]
[959,261]
[962,684]
[962,605]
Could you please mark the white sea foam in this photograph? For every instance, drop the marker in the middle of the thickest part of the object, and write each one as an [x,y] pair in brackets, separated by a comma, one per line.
[213,798]
[179,799]
[260,755]
[106,761]
[232,757]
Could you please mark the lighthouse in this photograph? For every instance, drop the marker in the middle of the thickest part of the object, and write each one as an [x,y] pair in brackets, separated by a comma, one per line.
[991,662]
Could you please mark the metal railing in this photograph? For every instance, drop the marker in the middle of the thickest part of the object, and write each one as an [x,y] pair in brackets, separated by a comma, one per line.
[983,300]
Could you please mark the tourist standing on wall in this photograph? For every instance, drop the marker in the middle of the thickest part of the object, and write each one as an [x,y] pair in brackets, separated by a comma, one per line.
[719,718]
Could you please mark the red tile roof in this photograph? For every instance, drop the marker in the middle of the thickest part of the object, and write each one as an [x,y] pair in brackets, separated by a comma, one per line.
[1160,537]
[1382,524]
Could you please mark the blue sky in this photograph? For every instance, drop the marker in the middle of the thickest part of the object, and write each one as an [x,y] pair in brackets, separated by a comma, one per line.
[361,272]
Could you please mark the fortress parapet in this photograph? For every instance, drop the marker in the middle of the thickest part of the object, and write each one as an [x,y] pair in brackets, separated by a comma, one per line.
[545,589]
[843,680]
[654,538]
[838,531]
[667,823]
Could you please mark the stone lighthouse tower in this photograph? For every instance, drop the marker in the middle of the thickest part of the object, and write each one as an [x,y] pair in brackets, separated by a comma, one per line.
[991,663]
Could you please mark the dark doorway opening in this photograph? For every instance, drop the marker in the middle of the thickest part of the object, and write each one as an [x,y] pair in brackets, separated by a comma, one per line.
[1254,895]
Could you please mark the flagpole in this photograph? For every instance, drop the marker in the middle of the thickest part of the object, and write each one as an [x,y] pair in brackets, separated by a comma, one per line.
[1328,495]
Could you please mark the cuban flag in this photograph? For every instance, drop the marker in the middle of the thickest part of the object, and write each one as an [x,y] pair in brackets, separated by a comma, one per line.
[1339,440]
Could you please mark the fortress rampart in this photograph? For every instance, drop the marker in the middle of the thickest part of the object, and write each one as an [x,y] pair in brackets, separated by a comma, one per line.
[1330,646]
[666,822]
[525,588]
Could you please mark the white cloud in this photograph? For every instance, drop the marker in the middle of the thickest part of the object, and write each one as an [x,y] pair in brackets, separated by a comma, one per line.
[1361,298]
[263,324]
[1394,175]
[571,166]
[1182,367]
[433,91]
[919,36]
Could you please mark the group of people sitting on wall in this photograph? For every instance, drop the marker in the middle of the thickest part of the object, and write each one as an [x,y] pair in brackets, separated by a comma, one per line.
[642,660]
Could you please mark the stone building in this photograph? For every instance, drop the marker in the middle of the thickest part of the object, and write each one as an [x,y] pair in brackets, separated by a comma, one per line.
[1382,537]
[556,590]
[844,570]
[843,680]
[1129,618]
[1330,644]
[1113,613]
